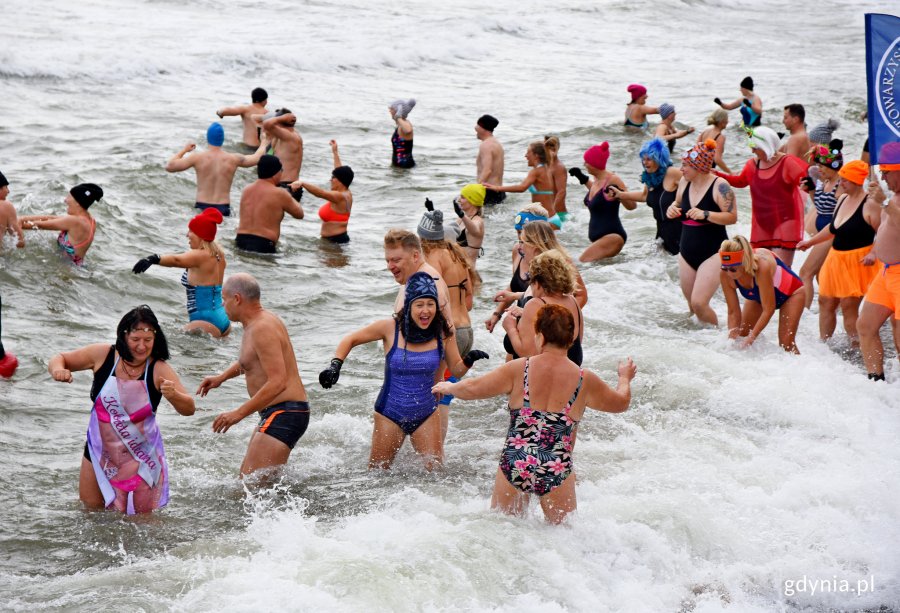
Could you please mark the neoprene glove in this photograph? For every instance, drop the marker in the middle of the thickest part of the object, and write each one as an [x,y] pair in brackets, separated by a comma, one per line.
[330,375]
[718,101]
[429,205]
[458,209]
[473,356]
[145,263]
[578,174]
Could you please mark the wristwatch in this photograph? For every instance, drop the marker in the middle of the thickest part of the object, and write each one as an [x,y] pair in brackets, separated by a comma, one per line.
[705,215]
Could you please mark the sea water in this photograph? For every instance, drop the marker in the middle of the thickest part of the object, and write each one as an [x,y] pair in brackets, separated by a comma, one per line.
[734,476]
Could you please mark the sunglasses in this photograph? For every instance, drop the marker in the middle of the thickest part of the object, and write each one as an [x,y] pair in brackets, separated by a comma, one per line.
[729,268]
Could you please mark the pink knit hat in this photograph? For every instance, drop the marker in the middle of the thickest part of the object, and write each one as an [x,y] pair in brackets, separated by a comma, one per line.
[597,155]
[636,91]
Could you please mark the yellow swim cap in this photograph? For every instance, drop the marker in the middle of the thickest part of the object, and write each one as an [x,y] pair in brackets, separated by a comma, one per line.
[474,193]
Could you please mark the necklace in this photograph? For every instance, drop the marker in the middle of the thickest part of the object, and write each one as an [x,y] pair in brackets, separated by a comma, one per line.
[132,375]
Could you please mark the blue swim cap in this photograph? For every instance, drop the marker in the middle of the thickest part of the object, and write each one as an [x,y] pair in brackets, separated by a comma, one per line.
[524,217]
[215,134]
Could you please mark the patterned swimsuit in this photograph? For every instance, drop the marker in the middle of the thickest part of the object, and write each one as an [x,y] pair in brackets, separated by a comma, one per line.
[538,453]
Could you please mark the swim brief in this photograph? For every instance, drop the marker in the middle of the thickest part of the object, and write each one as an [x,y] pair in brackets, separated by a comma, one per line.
[340,239]
[257,244]
[492,197]
[285,421]
[225,209]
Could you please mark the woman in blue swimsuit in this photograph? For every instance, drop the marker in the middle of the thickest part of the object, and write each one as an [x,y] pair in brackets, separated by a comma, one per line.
[538,182]
[551,393]
[414,353]
[204,270]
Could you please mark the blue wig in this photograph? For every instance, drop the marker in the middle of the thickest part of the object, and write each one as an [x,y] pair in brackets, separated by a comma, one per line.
[658,151]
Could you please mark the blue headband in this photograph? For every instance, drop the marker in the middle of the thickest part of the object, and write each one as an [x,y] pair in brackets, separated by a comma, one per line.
[525,217]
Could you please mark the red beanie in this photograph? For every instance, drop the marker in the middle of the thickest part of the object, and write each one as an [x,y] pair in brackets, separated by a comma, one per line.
[597,155]
[204,224]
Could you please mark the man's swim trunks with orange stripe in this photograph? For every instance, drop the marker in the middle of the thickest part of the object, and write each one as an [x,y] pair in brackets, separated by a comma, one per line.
[285,421]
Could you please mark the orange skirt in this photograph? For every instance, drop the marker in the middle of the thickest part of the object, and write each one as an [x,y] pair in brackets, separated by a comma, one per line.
[843,274]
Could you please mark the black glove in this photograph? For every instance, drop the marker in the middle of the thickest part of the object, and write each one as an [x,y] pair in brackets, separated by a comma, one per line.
[145,263]
[578,174]
[718,101]
[473,356]
[808,183]
[458,209]
[330,375]
[429,205]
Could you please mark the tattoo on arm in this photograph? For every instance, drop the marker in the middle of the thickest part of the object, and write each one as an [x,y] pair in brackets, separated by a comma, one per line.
[728,195]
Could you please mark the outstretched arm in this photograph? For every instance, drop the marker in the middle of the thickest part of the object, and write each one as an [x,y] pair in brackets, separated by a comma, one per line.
[246,161]
[498,381]
[334,153]
[601,397]
[730,106]
[178,162]
[521,187]
[231,111]
[741,180]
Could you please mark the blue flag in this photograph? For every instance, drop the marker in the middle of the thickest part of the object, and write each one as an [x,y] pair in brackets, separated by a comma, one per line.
[883,75]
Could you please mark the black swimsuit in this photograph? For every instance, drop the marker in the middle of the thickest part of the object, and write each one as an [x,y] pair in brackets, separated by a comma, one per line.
[669,230]
[855,232]
[575,353]
[604,216]
[517,283]
[700,240]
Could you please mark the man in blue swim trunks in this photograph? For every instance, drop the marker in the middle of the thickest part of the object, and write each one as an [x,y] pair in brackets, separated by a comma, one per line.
[267,361]
[215,169]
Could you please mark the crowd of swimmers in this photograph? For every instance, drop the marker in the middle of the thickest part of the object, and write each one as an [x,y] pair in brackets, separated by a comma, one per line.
[799,182]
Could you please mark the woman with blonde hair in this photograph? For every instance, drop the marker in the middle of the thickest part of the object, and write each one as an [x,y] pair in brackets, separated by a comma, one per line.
[536,236]
[717,122]
[518,283]
[538,182]
[560,176]
[849,267]
[767,284]
[553,281]
[204,266]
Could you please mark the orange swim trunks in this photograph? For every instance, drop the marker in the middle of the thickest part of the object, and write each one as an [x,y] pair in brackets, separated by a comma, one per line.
[885,289]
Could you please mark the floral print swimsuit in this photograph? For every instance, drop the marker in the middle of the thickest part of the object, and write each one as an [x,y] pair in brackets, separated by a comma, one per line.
[538,453]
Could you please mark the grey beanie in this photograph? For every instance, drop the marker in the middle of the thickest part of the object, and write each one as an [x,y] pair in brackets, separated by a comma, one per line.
[431,227]
[666,109]
[824,132]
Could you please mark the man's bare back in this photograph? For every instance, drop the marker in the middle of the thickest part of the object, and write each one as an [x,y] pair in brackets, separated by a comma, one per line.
[489,163]
[215,170]
[263,206]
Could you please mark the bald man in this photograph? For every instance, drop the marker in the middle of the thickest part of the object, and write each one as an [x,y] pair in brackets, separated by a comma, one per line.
[267,361]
